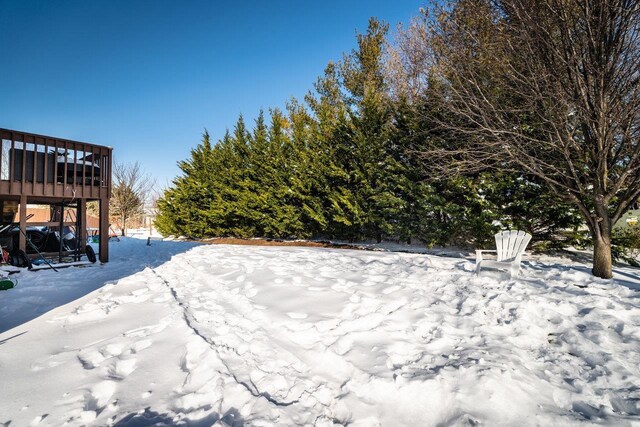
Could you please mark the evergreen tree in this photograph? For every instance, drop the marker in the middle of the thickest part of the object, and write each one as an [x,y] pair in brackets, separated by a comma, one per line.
[305,175]
[344,165]
[331,129]
[180,209]
[378,174]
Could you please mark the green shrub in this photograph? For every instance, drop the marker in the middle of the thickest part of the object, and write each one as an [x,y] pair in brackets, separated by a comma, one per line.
[625,245]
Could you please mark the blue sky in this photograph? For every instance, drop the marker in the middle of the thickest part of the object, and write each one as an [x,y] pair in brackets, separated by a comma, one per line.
[147,77]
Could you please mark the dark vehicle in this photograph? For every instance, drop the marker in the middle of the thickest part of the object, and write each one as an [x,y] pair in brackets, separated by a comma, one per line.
[43,239]
[39,240]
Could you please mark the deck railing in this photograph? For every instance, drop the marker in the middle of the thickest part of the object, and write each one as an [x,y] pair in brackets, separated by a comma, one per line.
[38,165]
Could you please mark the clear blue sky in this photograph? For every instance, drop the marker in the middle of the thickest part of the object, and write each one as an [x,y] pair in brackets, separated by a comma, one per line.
[147,77]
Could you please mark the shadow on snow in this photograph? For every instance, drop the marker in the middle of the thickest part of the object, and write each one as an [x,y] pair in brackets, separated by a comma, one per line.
[38,292]
[231,418]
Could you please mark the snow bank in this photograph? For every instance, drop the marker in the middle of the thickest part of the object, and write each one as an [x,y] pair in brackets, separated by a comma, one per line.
[265,336]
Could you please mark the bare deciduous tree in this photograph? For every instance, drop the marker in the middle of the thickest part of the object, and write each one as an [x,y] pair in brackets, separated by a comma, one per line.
[550,87]
[409,59]
[131,189]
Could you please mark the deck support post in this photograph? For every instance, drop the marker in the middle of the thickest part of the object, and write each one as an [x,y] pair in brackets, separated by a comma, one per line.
[61,228]
[22,241]
[104,230]
[81,215]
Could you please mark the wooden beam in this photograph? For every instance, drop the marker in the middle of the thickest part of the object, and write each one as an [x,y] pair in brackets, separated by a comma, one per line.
[81,232]
[51,224]
[104,230]
[22,241]
[12,162]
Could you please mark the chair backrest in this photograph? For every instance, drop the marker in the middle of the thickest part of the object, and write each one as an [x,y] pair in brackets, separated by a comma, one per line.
[511,243]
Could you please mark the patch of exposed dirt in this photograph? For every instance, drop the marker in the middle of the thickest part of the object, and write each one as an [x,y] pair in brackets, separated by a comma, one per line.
[276,242]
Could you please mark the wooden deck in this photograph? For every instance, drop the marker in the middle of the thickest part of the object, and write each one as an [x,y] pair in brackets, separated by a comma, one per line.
[41,169]
[47,167]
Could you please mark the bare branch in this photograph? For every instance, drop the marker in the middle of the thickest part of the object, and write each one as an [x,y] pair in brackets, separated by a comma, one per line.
[132,189]
[550,87]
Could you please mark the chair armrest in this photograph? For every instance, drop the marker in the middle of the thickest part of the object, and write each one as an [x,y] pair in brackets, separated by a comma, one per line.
[479,253]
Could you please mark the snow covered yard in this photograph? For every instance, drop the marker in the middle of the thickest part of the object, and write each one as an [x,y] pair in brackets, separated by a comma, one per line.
[265,336]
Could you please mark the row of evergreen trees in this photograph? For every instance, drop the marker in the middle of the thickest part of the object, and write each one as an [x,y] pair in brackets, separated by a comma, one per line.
[346,164]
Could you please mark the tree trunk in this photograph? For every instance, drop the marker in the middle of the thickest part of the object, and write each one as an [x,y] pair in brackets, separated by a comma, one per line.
[602,256]
[124,221]
[601,232]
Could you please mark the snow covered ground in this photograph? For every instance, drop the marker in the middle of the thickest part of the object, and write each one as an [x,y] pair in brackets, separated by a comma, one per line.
[183,334]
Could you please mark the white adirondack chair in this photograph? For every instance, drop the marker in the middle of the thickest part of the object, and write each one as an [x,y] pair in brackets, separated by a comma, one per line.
[510,246]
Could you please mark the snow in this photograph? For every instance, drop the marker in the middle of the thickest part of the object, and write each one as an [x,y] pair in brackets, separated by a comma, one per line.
[183,334]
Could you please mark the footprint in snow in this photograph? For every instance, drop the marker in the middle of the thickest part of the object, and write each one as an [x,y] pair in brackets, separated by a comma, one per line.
[390,289]
[343,345]
[373,279]
[91,360]
[146,330]
[37,420]
[98,397]
[140,345]
[121,369]
[295,315]
[111,350]
[50,361]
